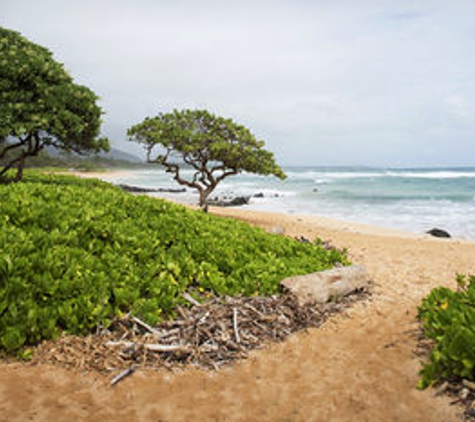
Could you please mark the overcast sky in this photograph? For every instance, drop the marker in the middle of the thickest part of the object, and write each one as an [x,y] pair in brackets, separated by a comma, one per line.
[341,82]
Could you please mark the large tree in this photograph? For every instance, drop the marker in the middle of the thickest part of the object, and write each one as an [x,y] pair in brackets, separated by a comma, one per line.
[214,147]
[41,106]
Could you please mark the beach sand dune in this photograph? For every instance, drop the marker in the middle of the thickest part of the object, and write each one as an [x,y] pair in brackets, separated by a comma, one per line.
[359,367]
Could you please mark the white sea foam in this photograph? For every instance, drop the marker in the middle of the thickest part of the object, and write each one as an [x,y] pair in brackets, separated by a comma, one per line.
[411,200]
[329,176]
[433,174]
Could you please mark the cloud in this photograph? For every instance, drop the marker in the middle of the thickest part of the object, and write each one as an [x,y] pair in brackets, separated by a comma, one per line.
[373,82]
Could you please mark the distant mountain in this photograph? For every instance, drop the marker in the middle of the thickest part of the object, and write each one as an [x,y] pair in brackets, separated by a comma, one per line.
[117,154]
[114,154]
[115,158]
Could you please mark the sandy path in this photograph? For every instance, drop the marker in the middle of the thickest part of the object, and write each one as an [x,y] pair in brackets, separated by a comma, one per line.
[359,367]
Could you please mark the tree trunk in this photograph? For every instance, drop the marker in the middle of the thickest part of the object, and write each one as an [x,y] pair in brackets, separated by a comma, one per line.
[203,198]
[20,167]
[204,193]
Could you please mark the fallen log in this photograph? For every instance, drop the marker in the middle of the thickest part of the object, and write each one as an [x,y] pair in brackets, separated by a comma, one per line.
[323,286]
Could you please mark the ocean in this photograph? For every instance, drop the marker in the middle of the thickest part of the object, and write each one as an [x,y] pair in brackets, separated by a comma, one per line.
[412,200]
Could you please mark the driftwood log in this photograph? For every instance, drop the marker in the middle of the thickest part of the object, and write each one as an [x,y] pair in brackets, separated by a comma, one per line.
[322,286]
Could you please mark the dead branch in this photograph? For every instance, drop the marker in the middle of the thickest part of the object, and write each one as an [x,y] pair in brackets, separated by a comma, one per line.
[190,299]
[143,324]
[149,346]
[235,326]
[123,374]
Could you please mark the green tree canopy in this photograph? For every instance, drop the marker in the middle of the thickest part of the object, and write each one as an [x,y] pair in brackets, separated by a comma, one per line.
[41,106]
[214,147]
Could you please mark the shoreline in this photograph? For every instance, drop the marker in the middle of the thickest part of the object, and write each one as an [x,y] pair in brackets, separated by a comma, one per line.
[315,220]
[360,365]
[106,174]
[330,221]
[271,221]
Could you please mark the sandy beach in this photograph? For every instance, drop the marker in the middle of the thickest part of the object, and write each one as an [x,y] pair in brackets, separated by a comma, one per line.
[103,175]
[359,367]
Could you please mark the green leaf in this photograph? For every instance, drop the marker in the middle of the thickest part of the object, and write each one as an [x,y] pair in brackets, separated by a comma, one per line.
[12,338]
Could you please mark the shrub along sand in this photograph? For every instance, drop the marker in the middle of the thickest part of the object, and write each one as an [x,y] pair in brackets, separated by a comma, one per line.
[76,253]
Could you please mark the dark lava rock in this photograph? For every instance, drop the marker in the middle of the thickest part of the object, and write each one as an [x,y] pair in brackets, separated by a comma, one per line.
[236,201]
[240,200]
[438,233]
[137,189]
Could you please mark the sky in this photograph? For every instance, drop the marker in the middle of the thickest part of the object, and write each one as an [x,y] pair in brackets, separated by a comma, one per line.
[323,83]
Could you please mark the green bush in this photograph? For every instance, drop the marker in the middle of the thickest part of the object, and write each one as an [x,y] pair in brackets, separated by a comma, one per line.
[75,253]
[448,318]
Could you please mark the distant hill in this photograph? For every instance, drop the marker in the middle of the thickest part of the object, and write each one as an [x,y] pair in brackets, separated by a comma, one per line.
[113,154]
[52,157]
[117,154]
[115,158]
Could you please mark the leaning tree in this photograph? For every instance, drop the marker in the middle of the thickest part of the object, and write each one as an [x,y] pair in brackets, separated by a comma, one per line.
[213,147]
[41,106]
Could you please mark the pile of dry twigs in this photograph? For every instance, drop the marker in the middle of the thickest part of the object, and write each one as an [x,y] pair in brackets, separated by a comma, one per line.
[208,335]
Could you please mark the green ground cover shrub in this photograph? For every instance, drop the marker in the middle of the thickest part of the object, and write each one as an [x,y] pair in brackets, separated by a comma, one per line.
[74,253]
[448,318]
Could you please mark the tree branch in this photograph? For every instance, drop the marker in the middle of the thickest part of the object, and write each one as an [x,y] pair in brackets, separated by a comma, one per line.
[174,169]
[226,174]
[195,176]
[191,162]
[203,157]
[22,142]
[206,178]
[9,166]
